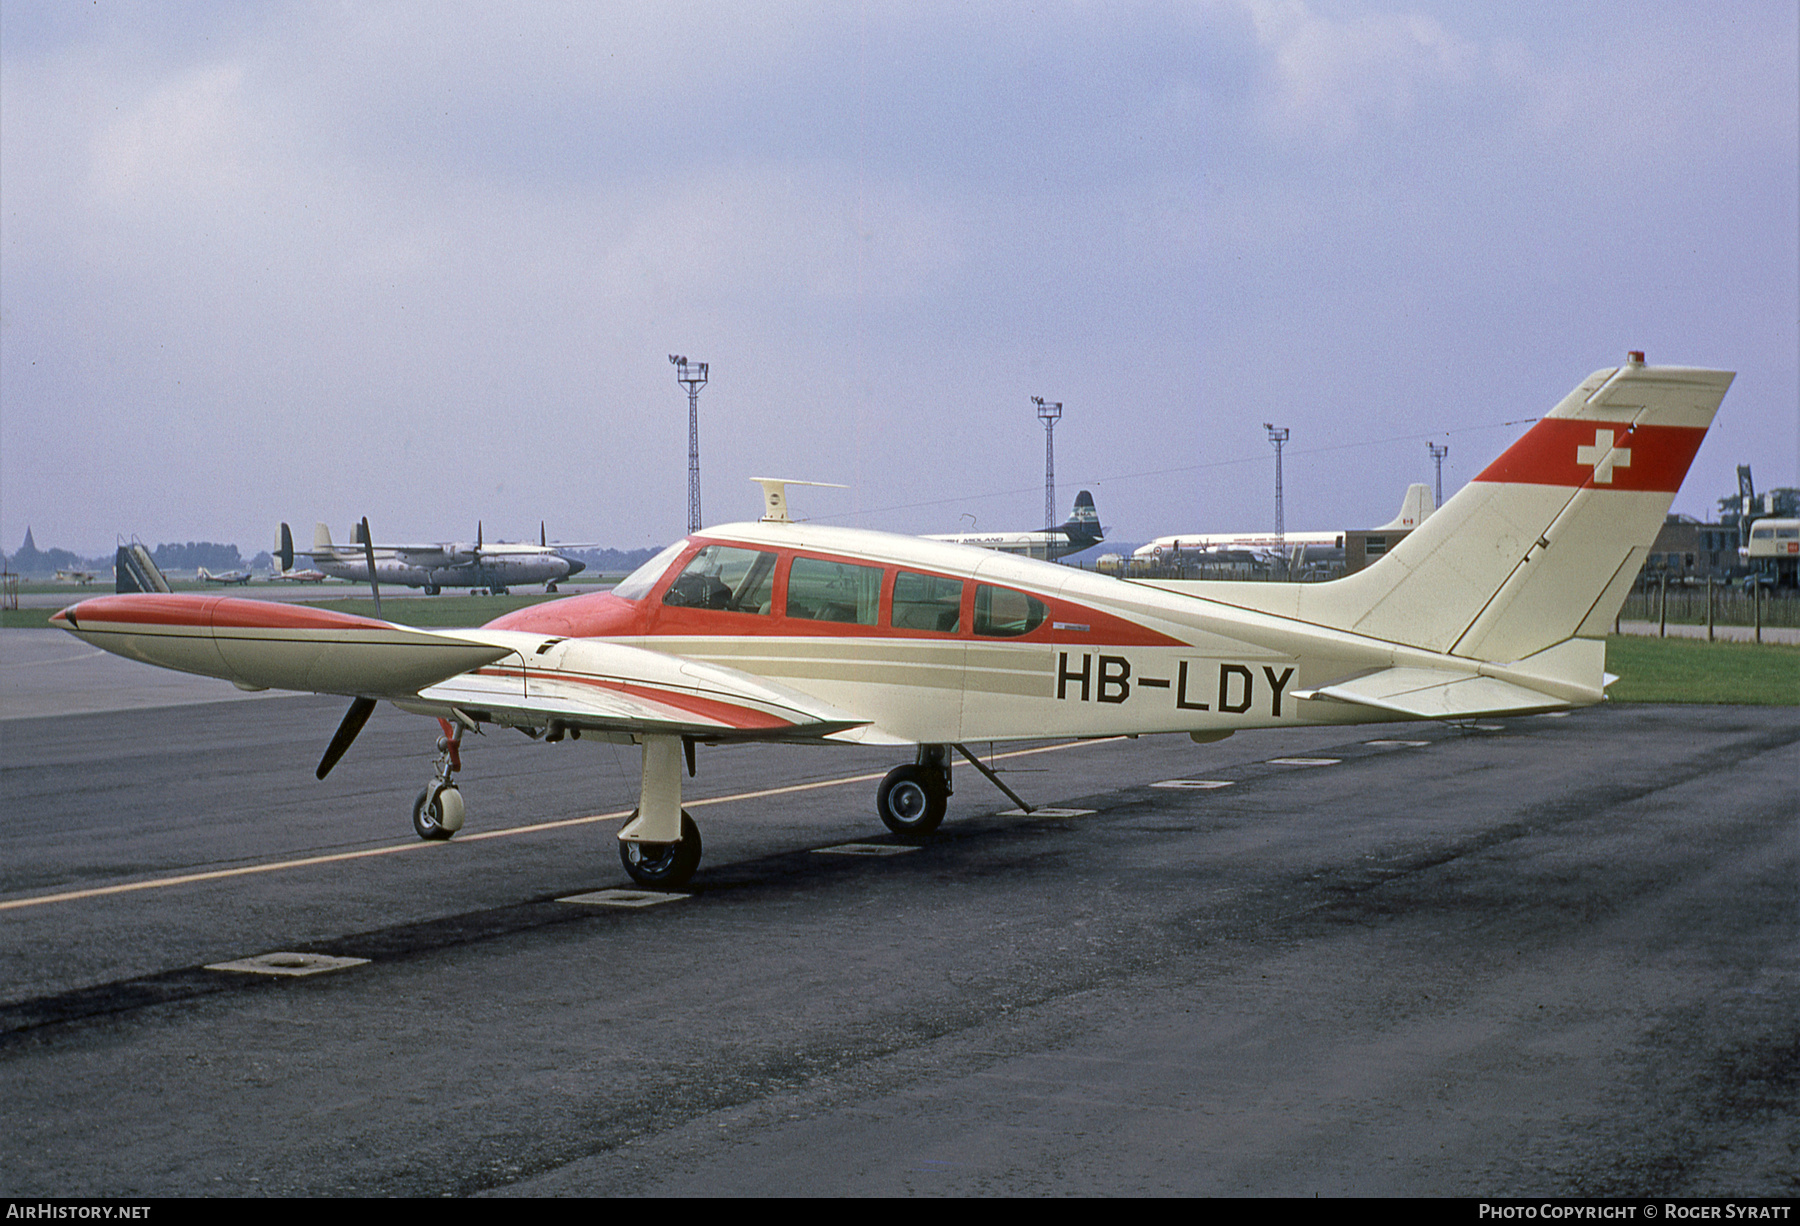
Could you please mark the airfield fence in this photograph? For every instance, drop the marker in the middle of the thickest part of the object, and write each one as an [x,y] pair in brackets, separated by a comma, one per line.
[1731,606]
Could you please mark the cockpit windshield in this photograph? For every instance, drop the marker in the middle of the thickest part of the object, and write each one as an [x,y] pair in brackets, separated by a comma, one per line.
[638,583]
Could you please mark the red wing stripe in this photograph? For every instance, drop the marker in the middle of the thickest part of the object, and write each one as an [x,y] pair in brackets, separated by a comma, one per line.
[712,710]
[1601,455]
[158,609]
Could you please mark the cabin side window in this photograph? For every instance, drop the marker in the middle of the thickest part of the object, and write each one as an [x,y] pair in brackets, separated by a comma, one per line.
[824,591]
[1003,613]
[927,602]
[720,577]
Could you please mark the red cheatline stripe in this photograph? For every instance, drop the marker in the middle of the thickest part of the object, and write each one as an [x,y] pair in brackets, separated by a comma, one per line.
[1566,451]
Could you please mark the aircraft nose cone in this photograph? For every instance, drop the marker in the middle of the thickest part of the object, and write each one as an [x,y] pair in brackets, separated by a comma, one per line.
[63,619]
[576,566]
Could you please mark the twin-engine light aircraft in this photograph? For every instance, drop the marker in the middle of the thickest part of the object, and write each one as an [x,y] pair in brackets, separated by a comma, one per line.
[784,631]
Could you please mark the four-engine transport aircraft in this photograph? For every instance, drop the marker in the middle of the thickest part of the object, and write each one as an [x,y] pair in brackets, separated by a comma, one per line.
[1080,531]
[1265,547]
[784,631]
[496,567]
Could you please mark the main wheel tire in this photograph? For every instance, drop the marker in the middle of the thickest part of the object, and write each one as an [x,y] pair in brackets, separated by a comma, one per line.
[438,812]
[912,800]
[663,866]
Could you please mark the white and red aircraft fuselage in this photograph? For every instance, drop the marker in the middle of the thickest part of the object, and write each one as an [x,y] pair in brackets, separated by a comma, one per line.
[776,630]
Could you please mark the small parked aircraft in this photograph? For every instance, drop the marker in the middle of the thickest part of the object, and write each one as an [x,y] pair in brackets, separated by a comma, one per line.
[797,632]
[239,577]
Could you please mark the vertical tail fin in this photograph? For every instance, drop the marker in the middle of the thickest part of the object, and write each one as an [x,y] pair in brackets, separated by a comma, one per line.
[1414,509]
[1083,523]
[1543,544]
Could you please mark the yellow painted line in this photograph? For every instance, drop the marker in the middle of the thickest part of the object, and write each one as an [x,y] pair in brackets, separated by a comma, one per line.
[159,883]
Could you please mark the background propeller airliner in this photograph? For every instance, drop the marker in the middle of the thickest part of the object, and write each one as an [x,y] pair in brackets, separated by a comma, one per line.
[783,631]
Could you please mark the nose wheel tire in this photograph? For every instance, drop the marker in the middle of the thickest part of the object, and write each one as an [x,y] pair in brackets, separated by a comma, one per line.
[912,800]
[663,866]
[438,812]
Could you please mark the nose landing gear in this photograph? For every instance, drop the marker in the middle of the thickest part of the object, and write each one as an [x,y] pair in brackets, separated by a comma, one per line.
[438,812]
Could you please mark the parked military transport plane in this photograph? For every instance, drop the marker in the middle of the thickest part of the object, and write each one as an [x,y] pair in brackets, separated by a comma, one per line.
[1080,531]
[1268,547]
[783,631]
[496,567]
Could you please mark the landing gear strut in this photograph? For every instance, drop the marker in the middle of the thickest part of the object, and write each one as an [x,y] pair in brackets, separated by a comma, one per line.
[438,812]
[912,799]
[660,845]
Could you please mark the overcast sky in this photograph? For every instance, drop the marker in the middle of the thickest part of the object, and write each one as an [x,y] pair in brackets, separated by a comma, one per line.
[425,262]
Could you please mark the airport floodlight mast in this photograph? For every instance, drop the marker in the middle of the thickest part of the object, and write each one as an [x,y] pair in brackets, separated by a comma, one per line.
[1278,435]
[1437,460]
[693,377]
[1049,413]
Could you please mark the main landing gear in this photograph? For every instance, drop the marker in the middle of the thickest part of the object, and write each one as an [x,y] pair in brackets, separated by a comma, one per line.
[663,866]
[912,798]
[438,812]
[660,845]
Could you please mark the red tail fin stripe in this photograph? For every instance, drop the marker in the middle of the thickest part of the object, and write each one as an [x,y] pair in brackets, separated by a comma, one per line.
[1604,455]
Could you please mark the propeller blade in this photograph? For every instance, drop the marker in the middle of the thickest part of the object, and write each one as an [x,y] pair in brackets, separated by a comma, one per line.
[374,587]
[354,719]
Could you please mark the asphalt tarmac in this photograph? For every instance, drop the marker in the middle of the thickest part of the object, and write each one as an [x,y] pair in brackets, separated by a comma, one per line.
[1542,956]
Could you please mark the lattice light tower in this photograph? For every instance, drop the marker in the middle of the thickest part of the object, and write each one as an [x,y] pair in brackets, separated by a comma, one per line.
[693,377]
[1437,460]
[1278,436]
[1049,412]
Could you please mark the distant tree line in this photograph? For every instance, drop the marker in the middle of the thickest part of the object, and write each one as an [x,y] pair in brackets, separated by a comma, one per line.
[196,554]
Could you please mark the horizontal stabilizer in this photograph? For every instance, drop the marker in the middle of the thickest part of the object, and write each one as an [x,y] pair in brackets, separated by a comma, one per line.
[1429,693]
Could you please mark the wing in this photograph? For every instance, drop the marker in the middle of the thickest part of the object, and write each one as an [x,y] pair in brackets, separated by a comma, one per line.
[597,686]
[524,680]
[262,645]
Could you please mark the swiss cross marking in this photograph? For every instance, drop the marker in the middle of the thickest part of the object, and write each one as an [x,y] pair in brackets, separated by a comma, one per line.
[1603,457]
